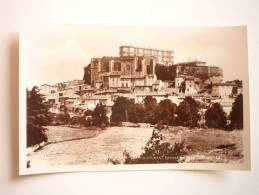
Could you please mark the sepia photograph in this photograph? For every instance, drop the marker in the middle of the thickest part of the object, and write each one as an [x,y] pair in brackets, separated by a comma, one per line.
[107,98]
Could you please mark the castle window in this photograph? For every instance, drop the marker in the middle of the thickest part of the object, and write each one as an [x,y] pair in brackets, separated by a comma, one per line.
[117,66]
[150,66]
[148,69]
[105,66]
[128,67]
[139,64]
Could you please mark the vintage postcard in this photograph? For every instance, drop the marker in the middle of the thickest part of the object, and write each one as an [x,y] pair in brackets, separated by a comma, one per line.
[98,98]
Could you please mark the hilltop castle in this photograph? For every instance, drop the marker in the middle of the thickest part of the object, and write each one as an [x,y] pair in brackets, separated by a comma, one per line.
[137,73]
[138,68]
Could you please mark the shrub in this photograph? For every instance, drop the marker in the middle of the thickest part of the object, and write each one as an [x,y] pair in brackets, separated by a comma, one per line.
[64,118]
[78,120]
[157,151]
[215,116]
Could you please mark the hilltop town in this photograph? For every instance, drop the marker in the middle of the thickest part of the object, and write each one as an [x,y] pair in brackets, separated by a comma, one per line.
[142,108]
[137,73]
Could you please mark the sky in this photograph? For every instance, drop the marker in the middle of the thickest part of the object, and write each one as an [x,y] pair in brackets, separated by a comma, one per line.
[51,53]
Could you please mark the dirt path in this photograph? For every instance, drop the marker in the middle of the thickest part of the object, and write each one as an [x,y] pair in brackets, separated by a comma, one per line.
[109,143]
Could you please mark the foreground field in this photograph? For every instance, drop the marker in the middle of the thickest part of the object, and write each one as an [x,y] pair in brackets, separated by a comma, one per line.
[78,146]
[207,145]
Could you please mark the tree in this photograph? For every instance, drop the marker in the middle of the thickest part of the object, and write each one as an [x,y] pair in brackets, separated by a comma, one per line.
[165,72]
[215,116]
[165,112]
[182,87]
[236,115]
[63,117]
[137,114]
[149,101]
[88,113]
[187,113]
[87,74]
[99,116]
[37,117]
[122,110]
[150,105]
[133,112]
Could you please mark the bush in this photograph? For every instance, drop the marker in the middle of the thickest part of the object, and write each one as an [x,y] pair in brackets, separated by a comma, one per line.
[157,151]
[236,115]
[187,113]
[78,120]
[215,116]
[64,118]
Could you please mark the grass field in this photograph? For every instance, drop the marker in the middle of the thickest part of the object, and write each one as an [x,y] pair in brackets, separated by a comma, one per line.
[57,134]
[81,146]
[207,145]
[69,146]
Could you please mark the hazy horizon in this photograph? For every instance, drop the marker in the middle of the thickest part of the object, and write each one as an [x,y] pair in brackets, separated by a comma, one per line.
[52,53]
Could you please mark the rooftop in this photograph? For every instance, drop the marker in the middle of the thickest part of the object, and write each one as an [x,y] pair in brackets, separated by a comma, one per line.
[146,48]
[191,62]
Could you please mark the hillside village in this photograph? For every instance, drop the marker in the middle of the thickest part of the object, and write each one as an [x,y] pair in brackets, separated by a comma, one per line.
[137,73]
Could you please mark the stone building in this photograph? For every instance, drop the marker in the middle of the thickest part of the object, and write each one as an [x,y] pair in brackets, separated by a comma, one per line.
[69,84]
[47,89]
[200,70]
[188,85]
[134,67]
[138,69]
[164,57]
[226,89]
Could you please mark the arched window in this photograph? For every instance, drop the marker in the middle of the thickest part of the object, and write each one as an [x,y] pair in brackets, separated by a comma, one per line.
[117,66]
[139,64]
